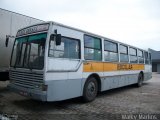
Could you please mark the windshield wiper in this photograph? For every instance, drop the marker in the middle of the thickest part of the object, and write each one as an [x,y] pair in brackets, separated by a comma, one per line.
[17,59]
[15,64]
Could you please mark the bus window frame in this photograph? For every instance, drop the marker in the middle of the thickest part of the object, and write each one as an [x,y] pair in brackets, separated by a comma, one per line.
[121,44]
[140,56]
[67,38]
[93,48]
[111,51]
[133,55]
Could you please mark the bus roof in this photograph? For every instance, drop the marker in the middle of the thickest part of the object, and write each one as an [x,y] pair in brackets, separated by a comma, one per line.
[95,35]
[85,32]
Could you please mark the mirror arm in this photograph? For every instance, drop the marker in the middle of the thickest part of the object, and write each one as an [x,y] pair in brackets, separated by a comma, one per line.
[55,31]
[7,39]
[9,36]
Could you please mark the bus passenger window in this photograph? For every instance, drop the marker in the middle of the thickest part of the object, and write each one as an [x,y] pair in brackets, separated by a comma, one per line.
[133,55]
[150,59]
[69,48]
[146,58]
[123,53]
[92,48]
[140,56]
[110,51]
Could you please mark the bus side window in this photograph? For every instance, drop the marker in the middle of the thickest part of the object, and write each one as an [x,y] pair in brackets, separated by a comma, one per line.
[146,58]
[92,48]
[133,55]
[110,51]
[140,56]
[150,59]
[69,48]
[123,53]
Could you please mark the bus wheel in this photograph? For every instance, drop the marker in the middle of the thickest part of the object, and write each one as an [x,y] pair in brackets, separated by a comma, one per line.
[90,90]
[140,80]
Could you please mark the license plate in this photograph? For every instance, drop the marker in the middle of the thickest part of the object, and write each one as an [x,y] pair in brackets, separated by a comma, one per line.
[24,93]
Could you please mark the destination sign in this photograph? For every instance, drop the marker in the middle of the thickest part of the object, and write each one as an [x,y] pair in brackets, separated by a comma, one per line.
[33,29]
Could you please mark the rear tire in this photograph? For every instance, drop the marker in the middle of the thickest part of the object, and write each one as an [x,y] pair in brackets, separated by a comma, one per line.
[90,90]
[140,80]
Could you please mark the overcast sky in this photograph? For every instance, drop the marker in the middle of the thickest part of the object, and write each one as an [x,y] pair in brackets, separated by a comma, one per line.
[136,22]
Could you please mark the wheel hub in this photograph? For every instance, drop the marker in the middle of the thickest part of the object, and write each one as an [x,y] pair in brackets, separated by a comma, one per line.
[91,89]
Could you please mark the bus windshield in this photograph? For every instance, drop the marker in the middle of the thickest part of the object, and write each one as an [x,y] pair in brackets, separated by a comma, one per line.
[28,52]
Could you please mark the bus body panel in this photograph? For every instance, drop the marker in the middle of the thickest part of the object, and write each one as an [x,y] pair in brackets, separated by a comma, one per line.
[63,85]
[148,72]
[116,81]
[64,76]
[63,89]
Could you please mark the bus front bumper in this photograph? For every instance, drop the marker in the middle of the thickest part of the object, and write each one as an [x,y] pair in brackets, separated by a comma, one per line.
[31,93]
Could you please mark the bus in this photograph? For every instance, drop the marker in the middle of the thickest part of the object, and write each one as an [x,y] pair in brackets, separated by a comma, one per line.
[54,62]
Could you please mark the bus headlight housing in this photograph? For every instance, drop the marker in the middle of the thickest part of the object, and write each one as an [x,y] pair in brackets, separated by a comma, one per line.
[42,87]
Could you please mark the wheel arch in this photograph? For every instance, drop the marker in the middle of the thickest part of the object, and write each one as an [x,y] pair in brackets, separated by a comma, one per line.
[97,77]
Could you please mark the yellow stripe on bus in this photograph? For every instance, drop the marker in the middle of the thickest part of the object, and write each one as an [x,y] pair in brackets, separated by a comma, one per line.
[104,66]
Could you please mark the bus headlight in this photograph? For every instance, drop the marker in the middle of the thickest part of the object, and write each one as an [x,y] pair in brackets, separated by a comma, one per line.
[42,87]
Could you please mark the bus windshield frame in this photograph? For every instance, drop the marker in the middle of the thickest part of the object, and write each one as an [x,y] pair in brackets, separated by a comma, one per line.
[28,51]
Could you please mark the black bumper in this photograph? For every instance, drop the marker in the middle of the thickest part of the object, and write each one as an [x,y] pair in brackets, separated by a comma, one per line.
[34,94]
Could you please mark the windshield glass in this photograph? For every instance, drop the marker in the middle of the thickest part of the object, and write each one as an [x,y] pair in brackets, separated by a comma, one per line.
[28,51]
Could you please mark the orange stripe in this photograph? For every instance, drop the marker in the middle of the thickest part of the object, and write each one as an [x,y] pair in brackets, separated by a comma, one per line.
[105,66]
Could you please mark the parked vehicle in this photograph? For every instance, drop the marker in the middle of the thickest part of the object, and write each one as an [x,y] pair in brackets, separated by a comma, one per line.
[53,62]
[10,22]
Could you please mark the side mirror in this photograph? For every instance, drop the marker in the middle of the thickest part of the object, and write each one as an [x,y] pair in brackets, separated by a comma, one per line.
[57,38]
[7,40]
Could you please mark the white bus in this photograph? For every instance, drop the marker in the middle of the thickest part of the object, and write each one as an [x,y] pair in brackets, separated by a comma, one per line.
[54,62]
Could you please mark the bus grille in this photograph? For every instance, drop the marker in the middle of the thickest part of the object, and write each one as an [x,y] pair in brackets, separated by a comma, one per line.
[26,79]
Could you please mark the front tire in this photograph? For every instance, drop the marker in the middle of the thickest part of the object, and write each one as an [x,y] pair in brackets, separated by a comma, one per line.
[90,90]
